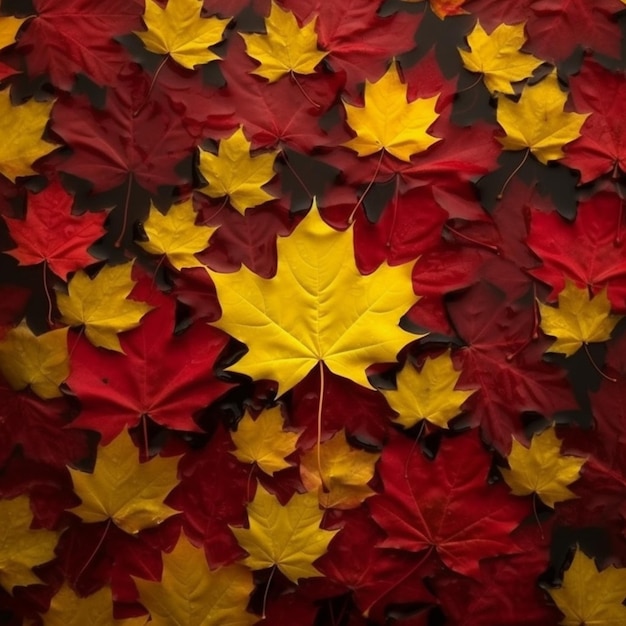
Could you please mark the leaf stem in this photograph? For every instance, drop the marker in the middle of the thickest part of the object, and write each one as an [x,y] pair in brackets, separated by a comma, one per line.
[320,405]
[296,175]
[595,365]
[536,515]
[47,292]
[412,450]
[480,244]
[480,77]
[267,589]
[617,242]
[394,213]
[369,186]
[301,88]
[517,169]
[142,106]
[129,186]
[95,551]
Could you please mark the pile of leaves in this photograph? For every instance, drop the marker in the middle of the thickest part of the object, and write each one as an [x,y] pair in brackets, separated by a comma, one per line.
[312,312]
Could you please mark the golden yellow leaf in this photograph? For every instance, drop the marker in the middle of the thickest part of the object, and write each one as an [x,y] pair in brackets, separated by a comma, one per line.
[578,319]
[40,361]
[233,172]
[388,122]
[9,26]
[590,597]
[69,609]
[318,307]
[180,31]
[176,235]
[345,471]
[263,441]
[124,490]
[22,548]
[497,56]
[286,536]
[101,305]
[538,122]
[541,469]
[286,47]
[429,394]
[21,129]
[191,594]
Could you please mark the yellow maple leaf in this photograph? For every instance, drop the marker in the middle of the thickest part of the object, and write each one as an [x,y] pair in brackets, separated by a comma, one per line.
[40,361]
[9,26]
[21,129]
[537,122]
[578,319]
[444,8]
[22,547]
[190,593]
[588,596]
[233,172]
[497,56]
[429,394]
[263,441]
[176,235]
[541,469]
[345,472]
[318,307]
[101,305]
[124,490]
[69,609]
[286,47]
[388,122]
[286,536]
[180,31]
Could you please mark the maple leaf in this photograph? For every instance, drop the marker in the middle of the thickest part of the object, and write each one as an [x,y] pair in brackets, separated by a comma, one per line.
[176,235]
[444,8]
[288,537]
[101,305]
[428,394]
[445,506]
[190,593]
[179,30]
[52,234]
[9,26]
[286,48]
[578,319]
[541,469]
[22,129]
[497,56]
[589,596]
[124,490]
[22,547]
[233,172]
[263,441]
[69,609]
[387,121]
[315,272]
[537,122]
[345,472]
[40,361]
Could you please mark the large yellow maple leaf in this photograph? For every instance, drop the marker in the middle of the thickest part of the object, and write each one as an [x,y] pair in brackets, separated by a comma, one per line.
[124,490]
[317,308]
[588,596]
[286,536]
[191,594]
[286,47]
[537,122]
[179,30]
[9,26]
[22,547]
[388,122]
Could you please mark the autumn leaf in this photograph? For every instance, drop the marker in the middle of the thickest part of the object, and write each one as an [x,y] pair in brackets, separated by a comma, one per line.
[541,469]
[345,472]
[537,122]
[429,394]
[578,320]
[191,593]
[9,26]
[22,128]
[101,305]
[180,31]
[286,48]
[588,596]
[176,235]
[444,8]
[235,173]
[40,361]
[388,122]
[22,547]
[124,490]
[288,537]
[497,56]
[264,441]
[316,270]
